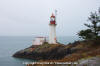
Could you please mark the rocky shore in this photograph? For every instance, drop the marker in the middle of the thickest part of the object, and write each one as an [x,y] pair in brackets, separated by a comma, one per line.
[44,52]
[60,52]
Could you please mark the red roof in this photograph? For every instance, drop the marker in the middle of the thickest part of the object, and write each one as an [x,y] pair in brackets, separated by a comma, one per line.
[53,15]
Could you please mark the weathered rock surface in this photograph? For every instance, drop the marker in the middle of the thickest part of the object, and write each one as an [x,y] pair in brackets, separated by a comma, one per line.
[44,52]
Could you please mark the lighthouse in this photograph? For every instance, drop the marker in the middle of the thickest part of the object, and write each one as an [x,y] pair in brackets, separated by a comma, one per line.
[52,33]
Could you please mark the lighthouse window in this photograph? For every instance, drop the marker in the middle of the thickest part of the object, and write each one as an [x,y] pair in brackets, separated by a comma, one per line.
[52,19]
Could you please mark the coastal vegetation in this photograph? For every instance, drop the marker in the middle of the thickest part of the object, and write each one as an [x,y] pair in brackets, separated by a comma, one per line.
[93,31]
[76,51]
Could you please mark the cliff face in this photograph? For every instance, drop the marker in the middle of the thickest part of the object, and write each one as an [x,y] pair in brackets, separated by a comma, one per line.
[43,52]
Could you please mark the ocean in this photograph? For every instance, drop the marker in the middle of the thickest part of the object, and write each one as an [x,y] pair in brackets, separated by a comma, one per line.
[11,44]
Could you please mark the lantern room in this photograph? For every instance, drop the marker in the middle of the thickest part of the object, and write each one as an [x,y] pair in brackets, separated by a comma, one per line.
[52,19]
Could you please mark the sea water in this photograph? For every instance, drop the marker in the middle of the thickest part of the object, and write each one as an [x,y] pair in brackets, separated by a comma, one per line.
[10,44]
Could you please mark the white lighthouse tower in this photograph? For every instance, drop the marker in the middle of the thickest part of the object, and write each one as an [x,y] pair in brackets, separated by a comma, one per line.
[52,34]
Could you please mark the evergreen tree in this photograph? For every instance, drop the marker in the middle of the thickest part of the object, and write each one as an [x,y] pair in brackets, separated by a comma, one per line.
[93,31]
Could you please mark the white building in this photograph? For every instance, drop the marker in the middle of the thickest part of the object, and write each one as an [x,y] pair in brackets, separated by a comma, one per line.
[52,34]
[39,40]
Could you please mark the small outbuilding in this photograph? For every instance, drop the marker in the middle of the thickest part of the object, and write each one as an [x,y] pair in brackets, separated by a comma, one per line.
[39,41]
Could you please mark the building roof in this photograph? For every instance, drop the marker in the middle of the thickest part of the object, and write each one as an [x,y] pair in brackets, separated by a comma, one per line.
[40,37]
[53,15]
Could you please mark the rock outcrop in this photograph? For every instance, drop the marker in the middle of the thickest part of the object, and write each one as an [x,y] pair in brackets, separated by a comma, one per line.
[59,52]
[44,52]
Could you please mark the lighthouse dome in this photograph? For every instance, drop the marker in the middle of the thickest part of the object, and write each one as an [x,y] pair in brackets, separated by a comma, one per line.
[52,19]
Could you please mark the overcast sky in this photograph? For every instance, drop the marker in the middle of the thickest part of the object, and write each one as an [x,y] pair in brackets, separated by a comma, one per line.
[31,17]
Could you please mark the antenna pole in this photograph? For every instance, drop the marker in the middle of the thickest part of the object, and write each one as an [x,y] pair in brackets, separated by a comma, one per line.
[56,15]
